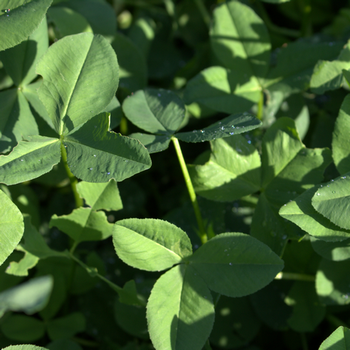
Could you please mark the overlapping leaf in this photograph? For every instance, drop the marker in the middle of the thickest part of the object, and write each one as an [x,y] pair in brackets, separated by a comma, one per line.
[16,25]
[233,170]
[151,245]
[235,264]
[74,69]
[338,340]
[180,311]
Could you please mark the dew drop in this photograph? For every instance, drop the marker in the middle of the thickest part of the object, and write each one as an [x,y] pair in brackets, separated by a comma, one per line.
[202,131]
[21,160]
[230,264]
[108,173]
[90,168]
[249,141]
[194,131]
[222,128]
[233,127]
[318,194]
[94,155]
[343,177]
[159,95]
[232,133]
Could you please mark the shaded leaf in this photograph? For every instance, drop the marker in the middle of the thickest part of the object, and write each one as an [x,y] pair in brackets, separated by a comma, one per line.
[30,159]
[235,264]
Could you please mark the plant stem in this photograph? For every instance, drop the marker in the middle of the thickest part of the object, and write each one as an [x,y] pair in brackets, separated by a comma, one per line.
[259,114]
[304,341]
[204,12]
[73,180]
[294,276]
[202,234]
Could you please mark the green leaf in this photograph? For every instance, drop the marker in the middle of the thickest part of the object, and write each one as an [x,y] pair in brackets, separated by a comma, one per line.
[333,282]
[153,143]
[336,251]
[74,68]
[30,159]
[307,310]
[302,213]
[338,340]
[83,224]
[17,121]
[276,1]
[340,142]
[223,90]
[11,226]
[329,75]
[240,40]
[23,328]
[133,66]
[149,244]
[17,25]
[29,297]
[157,111]
[229,126]
[66,326]
[20,61]
[333,200]
[99,14]
[235,264]
[21,268]
[233,170]
[100,195]
[96,155]
[180,311]
[295,64]
[67,21]
[24,347]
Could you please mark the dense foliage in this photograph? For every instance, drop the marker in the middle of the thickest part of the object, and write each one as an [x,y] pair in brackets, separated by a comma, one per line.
[174,174]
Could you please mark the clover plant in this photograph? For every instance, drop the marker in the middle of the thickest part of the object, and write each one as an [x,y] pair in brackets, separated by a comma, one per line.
[174,175]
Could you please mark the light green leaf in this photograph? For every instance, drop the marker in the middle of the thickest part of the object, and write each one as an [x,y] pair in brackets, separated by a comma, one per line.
[24,347]
[30,159]
[336,251]
[17,25]
[20,61]
[157,111]
[333,282]
[100,195]
[295,64]
[240,40]
[180,311]
[132,63]
[11,226]
[333,200]
[223,90]
[83,224]
[328,75]
[307,310]
[340,141]
[66,326]
[302,213]
[17,121]
[229,126]
[149,244]
[29,297]
[276,1]
[74,68]
[96,155]
[233,170]
[67,21]
[338,340]
[235,264]
[21,267]
[23,328]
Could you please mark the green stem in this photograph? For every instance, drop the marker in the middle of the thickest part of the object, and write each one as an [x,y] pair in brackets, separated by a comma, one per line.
[259,114]
[304,341]
[272,27]
[294,276]
[73,180]
[202,234]
[204,12]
